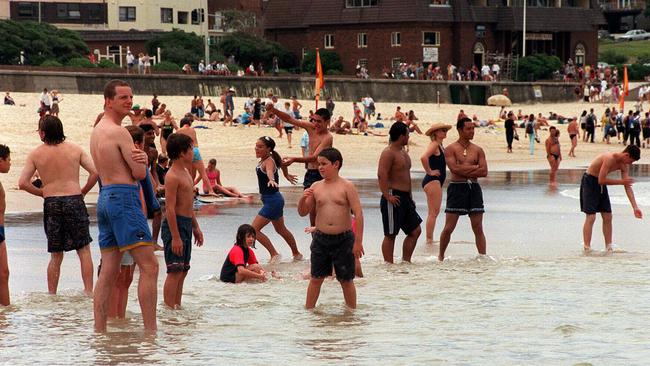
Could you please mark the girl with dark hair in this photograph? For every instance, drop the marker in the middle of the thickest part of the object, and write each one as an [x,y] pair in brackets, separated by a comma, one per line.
[241,263]
[272,211]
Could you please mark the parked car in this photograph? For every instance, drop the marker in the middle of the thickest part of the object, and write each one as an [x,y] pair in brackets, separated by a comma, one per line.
[603,34]
[635,35]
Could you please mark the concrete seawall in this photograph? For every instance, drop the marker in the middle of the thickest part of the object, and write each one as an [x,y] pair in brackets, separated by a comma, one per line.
[339,88]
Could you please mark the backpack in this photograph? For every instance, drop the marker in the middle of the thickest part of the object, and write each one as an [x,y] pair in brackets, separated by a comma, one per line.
[636,125]
[529,128]
[591,120]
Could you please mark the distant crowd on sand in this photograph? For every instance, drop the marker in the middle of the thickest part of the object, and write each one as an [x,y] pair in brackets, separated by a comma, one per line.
[136,186]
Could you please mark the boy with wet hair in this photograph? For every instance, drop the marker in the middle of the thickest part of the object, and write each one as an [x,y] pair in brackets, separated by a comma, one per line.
[180,222]
[333,245]
[5,165]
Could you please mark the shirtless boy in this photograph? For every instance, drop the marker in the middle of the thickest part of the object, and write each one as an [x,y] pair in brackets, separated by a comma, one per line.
[5,164]
[64,212]
[574,134]
[467,163]
[397,206]
[319,139]
[122,224]
[180,221]
[594,196]
[333,245]
[197,160]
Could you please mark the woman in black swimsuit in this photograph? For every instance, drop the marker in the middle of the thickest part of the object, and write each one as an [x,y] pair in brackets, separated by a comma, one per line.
[167,127]
[433,162]
[553,154]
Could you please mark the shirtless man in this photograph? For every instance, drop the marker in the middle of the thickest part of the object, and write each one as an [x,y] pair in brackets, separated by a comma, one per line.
[319,139]
[136,115]
[594,196]
[397,206]
[295,107]
[197,161]
[334,244]
[64,212]
[574,134]
[399,115]
[467,163]
[341,127]
[553,154]
[148,120]
[122,224]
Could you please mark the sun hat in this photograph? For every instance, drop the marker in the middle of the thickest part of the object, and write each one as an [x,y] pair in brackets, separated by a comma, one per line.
[437,126]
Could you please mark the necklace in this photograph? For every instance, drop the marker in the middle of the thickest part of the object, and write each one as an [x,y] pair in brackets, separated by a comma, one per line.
[464,147]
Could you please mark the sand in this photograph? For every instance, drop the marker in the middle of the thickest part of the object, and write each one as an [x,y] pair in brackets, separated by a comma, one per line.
[233,146]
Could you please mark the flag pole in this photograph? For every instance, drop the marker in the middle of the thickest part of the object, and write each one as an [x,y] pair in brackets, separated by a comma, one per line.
[319,82]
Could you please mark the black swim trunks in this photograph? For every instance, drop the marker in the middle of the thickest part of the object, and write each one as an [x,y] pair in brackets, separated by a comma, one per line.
[329,251]
[593,196]
[311,176]
[464,198]
[66,223]
[288,129]
[403,217]
[174,262]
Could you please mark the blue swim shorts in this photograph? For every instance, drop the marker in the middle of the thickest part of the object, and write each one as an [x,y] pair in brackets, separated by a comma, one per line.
[122,224]
[197,155]
[273,208]
[174,262]
[2,234]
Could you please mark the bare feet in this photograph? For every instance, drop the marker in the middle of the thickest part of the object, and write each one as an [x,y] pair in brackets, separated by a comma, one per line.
[298,257]
[275,258]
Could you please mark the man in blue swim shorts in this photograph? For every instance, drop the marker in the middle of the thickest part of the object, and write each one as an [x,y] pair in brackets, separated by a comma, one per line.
[122,223]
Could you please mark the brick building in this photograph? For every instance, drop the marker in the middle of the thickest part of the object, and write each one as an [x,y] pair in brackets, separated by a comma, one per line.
[381,33]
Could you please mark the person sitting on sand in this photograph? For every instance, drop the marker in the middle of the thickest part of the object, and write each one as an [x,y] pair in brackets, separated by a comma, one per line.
[160,111]
[210,108]
[341,126]
[9,100]
[241,264]
[214,175]
[215,116]
[410,122]
[541,121]
[399,115]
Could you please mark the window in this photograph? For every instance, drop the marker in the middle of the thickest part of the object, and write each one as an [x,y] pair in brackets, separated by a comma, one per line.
[580,54]
[182,17]
[395,62]
[68,11]
[27,10]
[439,3]
[127,13]
[395,39]
[166,15]
[360,3]
[329,41]
[431,38]
[94,11]
[304,52]
[362,40]
[480,31]
[363,62]
[197,16]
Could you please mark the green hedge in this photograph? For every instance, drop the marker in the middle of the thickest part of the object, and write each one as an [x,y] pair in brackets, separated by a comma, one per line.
[537,67]
[80,62]
[166,66]
[108,64]
[51,63]
[330,61]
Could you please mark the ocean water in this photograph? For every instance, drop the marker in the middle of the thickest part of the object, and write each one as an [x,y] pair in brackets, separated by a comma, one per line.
[536,300]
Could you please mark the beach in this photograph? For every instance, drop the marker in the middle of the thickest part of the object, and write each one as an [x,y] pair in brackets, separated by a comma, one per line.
[536,299]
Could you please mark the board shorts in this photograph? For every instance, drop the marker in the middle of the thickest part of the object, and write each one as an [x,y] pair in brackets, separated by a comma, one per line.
[273,208]
[288,129]
[403,217]
[332,251]
[122,224]
[311,176]
[197,155]
[2,234]
[174,262]
[593,196]
[66,223]
[646,132]
[464,198]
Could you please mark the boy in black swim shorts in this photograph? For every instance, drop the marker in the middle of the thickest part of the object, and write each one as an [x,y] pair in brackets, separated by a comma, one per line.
[333,245]
[5,165]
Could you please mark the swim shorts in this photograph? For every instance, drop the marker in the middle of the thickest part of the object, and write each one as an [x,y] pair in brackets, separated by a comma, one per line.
[121,222]
[149,195]
[2,234]
[329,251]
[174,262]
[311,176]
[403,217]
[464,198]
[593,196]
[273,208]
[288,129]
[197,155]
[66,223]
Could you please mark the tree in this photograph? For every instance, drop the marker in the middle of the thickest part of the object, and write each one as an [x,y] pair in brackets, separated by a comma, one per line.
[537,67]
[179,47]
[238,21]
[330,61]
[249,48]
[39,42]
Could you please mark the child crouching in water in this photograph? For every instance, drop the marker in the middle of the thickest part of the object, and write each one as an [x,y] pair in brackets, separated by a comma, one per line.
[180,222]
[241,264]
[334,245]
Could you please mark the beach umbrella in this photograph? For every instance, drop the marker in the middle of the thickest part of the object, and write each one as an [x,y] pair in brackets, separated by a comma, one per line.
[499,100]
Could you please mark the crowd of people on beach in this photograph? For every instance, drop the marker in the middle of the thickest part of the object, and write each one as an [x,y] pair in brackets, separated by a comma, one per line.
[139,182]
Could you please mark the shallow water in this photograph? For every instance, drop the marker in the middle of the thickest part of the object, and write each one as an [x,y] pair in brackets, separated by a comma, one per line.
[537,301]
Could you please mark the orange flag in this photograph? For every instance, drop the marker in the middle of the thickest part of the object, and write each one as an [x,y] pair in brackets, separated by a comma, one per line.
[320,82]
[626,88]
